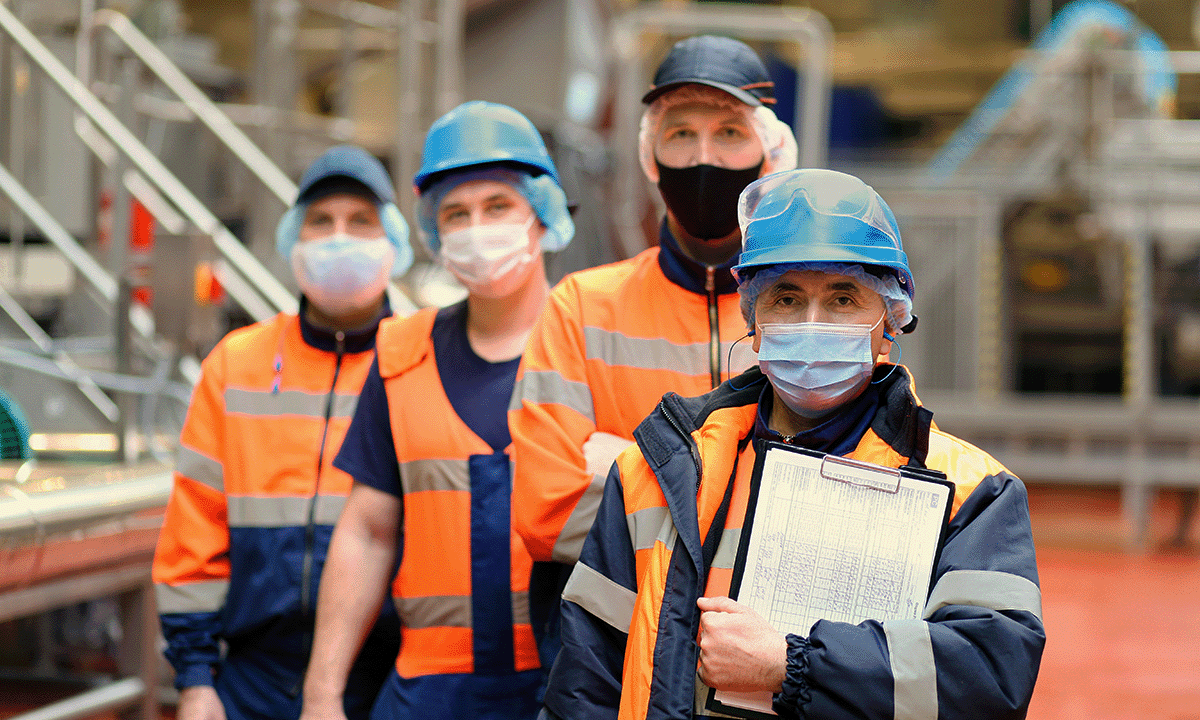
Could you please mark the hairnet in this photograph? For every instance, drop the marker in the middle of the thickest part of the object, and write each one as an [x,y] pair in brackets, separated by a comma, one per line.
[548,200]
[349,169]
[287,233]
[778,142]
[895,300]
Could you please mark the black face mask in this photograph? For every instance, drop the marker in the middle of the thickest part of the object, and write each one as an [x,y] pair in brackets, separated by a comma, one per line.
[703,198]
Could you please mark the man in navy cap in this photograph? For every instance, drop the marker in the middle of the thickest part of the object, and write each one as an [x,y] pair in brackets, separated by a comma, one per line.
[614,339]
[256,495]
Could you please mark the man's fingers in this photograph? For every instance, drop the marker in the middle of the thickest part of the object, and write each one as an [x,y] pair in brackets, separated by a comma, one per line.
[718,604]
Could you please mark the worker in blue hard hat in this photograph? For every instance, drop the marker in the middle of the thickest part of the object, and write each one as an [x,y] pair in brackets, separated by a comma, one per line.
[648,626]
[256,495]
[429,514]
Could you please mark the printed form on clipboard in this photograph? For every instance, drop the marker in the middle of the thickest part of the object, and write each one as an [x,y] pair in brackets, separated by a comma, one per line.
[828,538]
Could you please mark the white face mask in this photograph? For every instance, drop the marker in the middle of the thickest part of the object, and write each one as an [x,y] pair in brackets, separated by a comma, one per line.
[491,260]
[342,274]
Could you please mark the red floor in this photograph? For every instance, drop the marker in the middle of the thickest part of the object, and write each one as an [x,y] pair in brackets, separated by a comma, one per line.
[1123,629]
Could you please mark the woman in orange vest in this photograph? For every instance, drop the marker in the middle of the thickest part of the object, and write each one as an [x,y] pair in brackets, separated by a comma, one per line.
[429,444]
[256,495]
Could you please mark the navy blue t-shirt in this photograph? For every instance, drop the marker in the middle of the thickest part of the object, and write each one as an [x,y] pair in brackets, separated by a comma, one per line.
[478,390]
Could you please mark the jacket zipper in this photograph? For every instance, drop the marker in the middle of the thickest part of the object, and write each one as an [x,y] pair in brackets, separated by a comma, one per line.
[714,327]
[691,441]
[310,527]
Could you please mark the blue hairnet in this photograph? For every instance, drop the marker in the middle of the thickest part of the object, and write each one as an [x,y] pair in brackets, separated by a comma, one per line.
[548,200]
[897,301]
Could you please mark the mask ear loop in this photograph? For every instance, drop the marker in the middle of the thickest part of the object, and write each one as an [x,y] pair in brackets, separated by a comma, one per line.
[729,361]
[887,335]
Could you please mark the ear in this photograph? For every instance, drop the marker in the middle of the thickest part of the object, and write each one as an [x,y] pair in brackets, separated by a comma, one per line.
[885,350]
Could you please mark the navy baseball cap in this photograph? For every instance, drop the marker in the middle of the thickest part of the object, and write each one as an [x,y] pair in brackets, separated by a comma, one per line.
[346,168]
[720,62]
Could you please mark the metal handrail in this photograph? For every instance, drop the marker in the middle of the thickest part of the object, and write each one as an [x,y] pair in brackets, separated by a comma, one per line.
[196,101]
[80,258]
[207,112]
[61,360]
[145,161]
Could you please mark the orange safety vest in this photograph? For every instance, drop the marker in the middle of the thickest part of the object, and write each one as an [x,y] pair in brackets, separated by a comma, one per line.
[611,341]
[439,459]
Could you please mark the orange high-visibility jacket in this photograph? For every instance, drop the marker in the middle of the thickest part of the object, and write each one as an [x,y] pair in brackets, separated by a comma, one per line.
[455,511]
[610,342]
[243,543]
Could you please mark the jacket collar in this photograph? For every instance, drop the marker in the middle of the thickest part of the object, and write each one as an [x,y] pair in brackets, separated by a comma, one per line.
[666,440]
[353,341]
[686,272]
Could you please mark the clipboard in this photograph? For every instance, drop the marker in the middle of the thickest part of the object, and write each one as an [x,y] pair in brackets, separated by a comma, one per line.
[799,575]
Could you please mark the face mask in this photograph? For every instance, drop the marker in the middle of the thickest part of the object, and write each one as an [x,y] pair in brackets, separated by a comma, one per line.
[341,274]
[491,260]
[703,198]
[815,366]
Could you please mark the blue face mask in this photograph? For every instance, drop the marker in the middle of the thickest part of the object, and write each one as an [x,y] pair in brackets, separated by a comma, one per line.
[815,367]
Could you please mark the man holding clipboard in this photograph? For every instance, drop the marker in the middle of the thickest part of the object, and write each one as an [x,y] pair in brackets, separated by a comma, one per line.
[943,619]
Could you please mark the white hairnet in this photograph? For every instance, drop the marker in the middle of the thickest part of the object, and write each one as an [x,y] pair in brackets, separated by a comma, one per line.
[895,300]
[778,142]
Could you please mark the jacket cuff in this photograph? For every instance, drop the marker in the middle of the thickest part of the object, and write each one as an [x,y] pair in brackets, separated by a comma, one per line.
[795,693]
[194,676]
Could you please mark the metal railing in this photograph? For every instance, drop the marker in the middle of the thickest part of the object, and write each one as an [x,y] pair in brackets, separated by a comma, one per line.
[269,295]
[196,105]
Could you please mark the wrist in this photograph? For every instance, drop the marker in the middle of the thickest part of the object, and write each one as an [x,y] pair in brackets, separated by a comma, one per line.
[322,693]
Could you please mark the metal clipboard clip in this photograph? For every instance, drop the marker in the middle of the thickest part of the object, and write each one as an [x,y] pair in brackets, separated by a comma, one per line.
[862,474]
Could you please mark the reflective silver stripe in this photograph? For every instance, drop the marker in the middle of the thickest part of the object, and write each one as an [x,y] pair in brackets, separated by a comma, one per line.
[520,608]
[200,468]
[646,526]
[206,596]
[329,509]
[616,348]
[985,588]
[570,541]
[434,611]
[727,548]
[913,672]
[743,356]
[268,512]
[549,386]
[600,596]
[287,402]
[435,474]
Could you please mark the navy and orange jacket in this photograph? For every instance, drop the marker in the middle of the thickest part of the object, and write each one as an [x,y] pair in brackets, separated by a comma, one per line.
[255,500]
[462,586]
[629,611]
[609,343]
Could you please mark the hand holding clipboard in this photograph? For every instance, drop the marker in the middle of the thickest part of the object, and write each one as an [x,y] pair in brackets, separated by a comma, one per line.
[835,539]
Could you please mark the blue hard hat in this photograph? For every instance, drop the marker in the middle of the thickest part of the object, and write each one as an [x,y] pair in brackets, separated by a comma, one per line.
[818,216]
[479,133]
[347,168]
